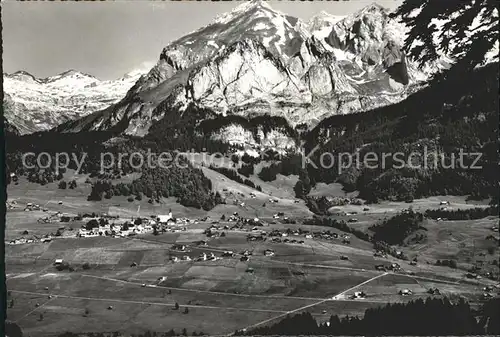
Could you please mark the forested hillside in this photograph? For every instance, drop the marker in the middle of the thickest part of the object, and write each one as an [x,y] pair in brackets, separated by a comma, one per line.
[445,118]
[417,318]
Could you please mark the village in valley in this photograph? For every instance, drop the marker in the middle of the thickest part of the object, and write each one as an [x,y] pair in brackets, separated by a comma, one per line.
[269,174]
[84,260]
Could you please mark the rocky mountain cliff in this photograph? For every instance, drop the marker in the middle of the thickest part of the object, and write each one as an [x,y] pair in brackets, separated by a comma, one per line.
[257,61]
[35,104]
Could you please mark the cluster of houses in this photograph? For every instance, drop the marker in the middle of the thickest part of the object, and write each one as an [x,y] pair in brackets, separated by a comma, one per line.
[357,295]
[102,227]
[279,240]
[34,207]
[488,292]
[11,204]
[201,257]
[124,228]
[115,230]
[397,254]
[21,241]
[245,255]
[269,252]
[276,236]
[443,206]
[325,235]
[284,219]
[395,267]
[402,292]
[216,230]
[33,239]
[405,292]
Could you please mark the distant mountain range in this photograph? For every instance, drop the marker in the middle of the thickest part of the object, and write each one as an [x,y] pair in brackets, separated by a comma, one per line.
[249,62]
[35,104]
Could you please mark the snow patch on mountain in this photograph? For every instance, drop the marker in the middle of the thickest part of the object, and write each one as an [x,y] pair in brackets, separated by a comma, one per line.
[321,24]
[37,104]
[255,61]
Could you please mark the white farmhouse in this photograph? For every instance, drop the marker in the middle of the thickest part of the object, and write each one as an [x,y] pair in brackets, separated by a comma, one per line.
[165,219]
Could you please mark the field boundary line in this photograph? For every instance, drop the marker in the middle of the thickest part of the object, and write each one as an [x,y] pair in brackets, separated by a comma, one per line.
[313,304]
[143,302]
[424,278]
[205,291]
[36,309]
[326,266]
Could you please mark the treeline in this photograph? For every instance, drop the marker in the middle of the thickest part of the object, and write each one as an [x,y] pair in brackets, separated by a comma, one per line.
[288,165]
[84,147]
[381,246]
[188,185]
[317,205]
[233,175]
[90,152]
[462,214]
[246,170]
[392,231]
[434,316]
[71,185]
[397,228]
[448,119]
[177,130]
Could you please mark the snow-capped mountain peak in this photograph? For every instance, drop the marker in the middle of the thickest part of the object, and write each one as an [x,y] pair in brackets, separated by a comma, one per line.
[24,76]
[321,24]
[70,75]
[279,33]
[244,8]
[35,104]
[254,61]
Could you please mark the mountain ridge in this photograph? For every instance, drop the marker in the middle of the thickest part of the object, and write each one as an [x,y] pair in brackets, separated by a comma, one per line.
[279,65]
[357,66]
[37,104]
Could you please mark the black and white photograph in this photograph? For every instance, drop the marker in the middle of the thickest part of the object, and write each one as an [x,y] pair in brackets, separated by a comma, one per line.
[250,168]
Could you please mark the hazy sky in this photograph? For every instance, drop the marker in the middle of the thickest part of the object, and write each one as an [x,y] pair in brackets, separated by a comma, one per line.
[109,39]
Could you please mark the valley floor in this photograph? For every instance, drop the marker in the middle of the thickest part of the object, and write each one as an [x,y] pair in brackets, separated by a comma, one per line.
[223,295]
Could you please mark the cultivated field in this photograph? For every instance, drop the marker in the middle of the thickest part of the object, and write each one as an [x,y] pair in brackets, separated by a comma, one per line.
[132,284]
